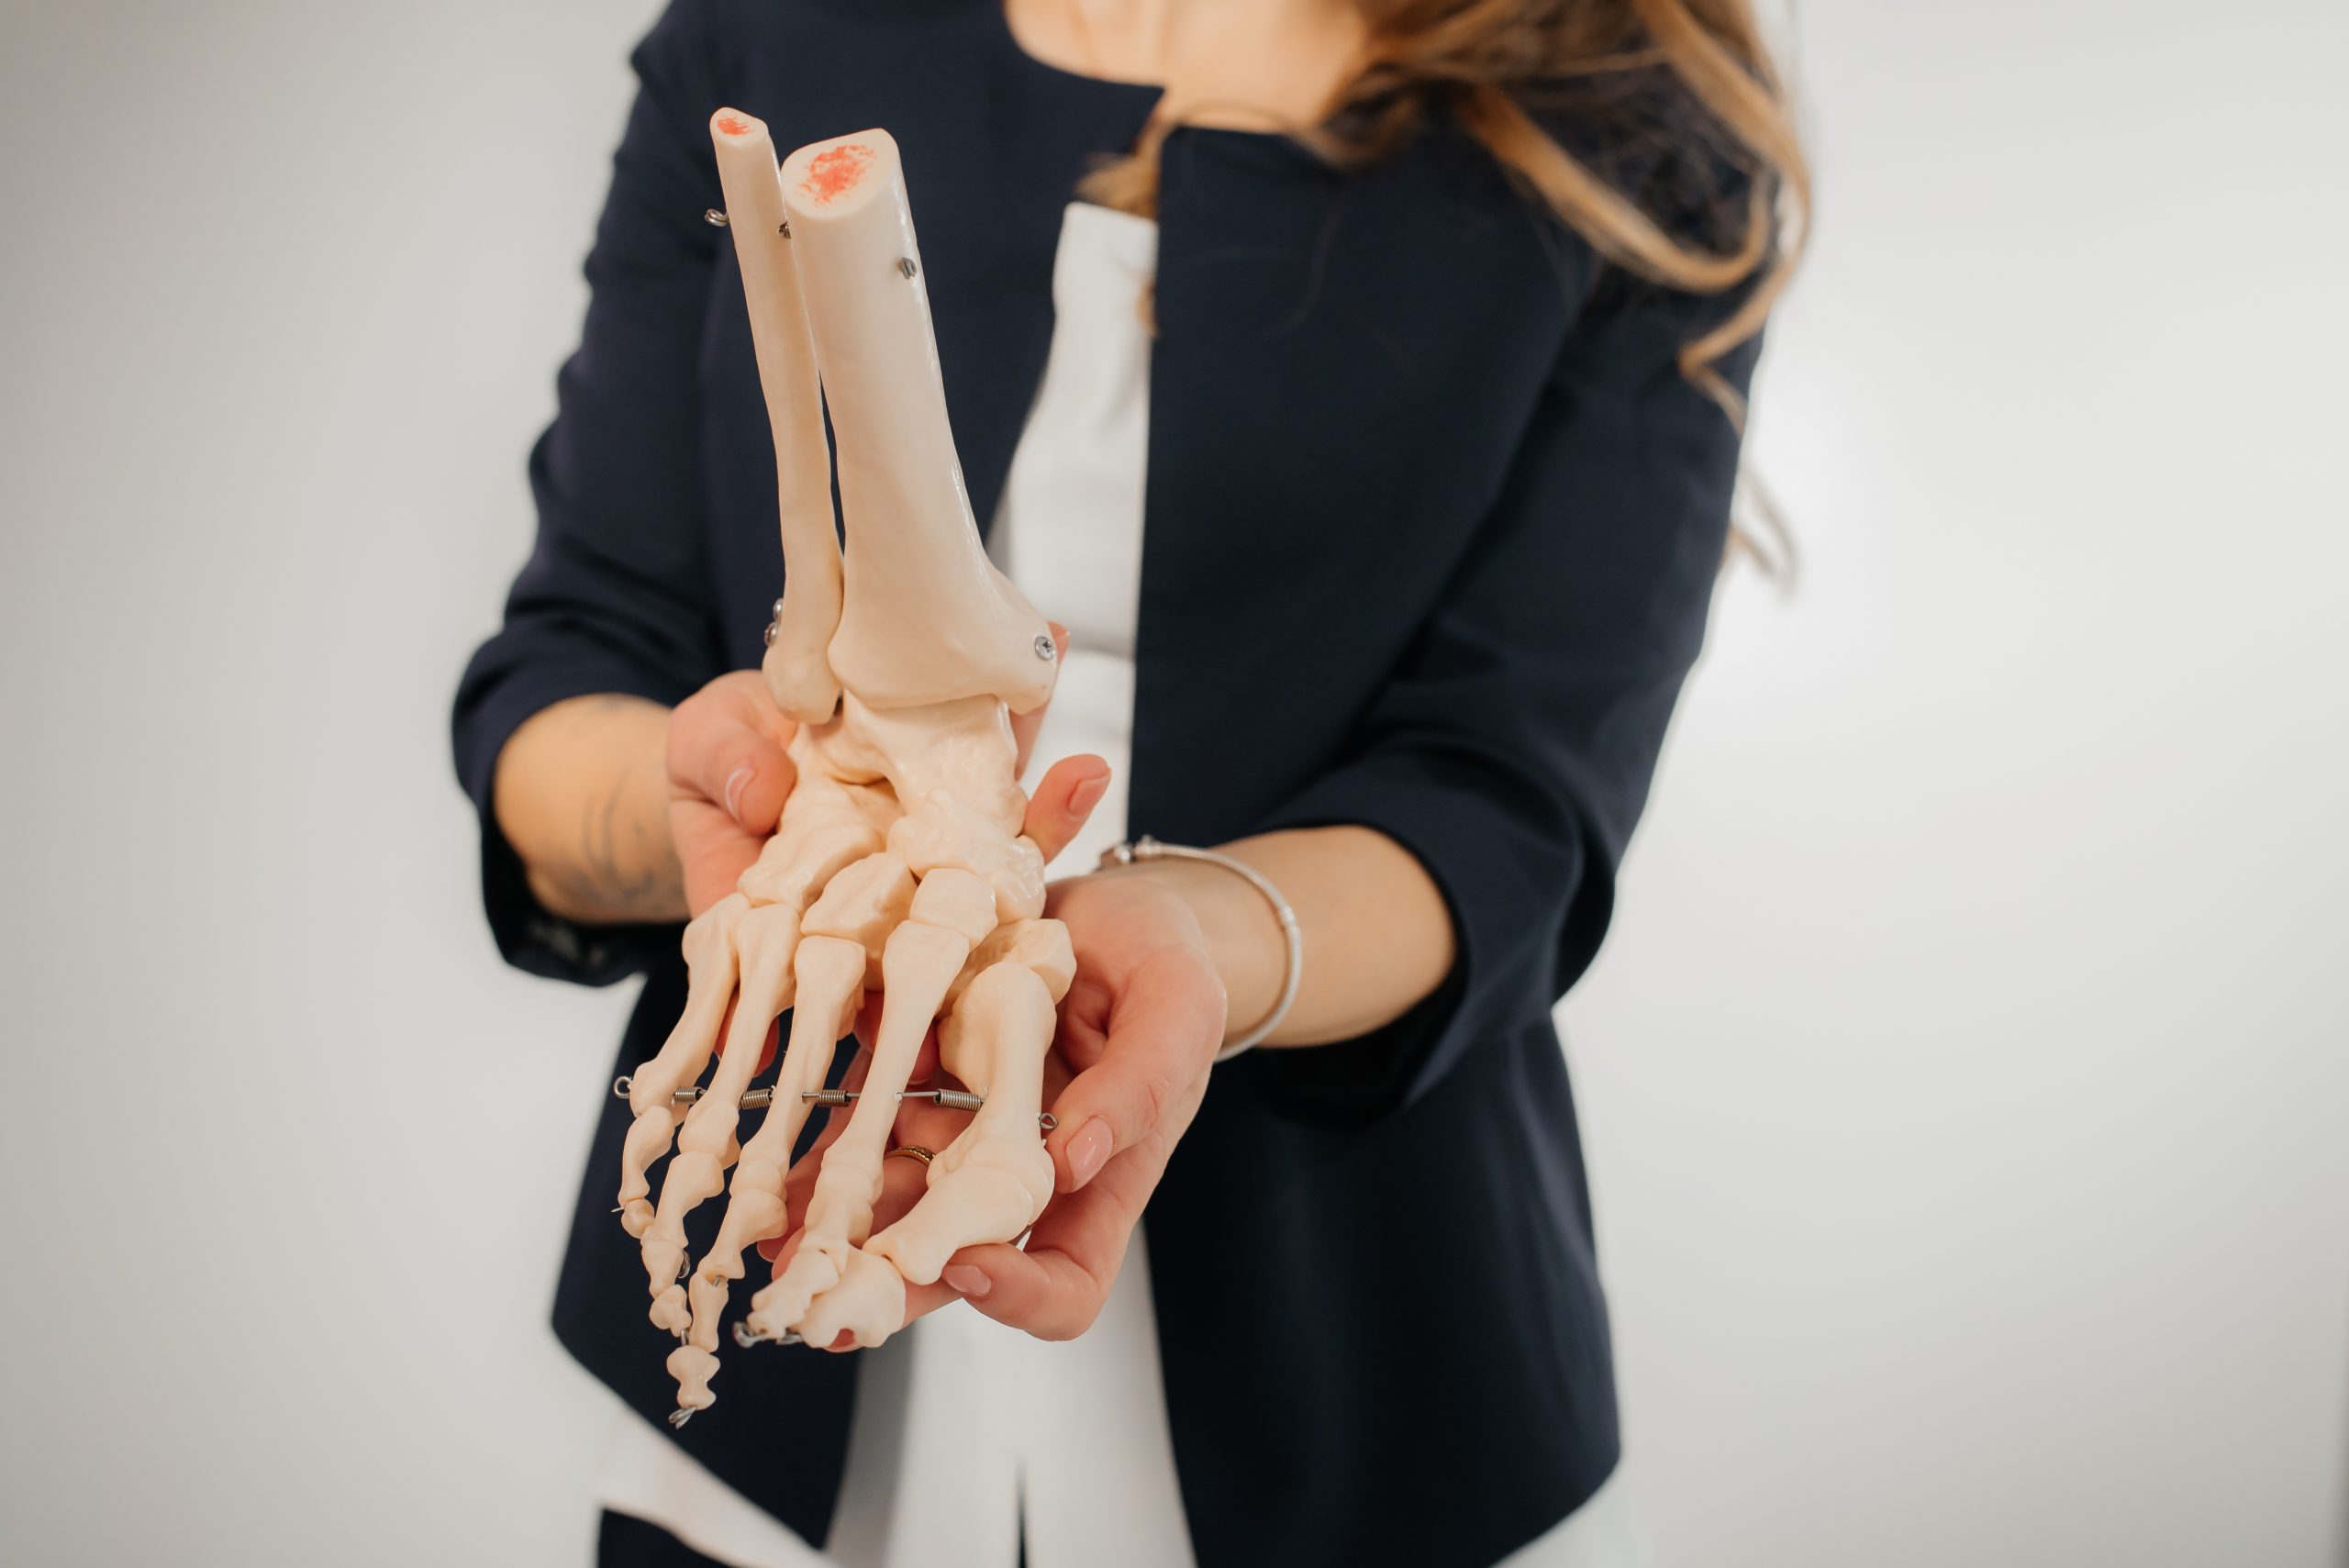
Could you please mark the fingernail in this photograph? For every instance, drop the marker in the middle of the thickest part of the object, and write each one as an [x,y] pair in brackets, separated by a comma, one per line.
[1087,1152]
[1087,795]
[736,782]
[966,1279]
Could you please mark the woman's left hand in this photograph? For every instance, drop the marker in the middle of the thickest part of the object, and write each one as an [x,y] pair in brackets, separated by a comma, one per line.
[1139,1031]
[1139,1028]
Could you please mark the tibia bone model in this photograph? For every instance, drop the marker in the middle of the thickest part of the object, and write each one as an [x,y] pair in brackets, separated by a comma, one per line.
[898,863]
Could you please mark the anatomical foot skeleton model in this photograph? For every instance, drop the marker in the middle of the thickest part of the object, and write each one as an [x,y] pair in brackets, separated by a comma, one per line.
[898,863]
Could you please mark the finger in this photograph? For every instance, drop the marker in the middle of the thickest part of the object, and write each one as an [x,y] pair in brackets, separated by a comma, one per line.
[1064,798]
[1056,1289]
[1025,725]
[1164,1029]
[921,1300]
[726,747]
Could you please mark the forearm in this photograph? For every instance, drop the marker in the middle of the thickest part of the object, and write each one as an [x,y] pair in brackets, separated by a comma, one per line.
[582,794]
[1377,936]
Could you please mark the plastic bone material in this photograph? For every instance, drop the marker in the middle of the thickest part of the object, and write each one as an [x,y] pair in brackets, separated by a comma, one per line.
[899,861]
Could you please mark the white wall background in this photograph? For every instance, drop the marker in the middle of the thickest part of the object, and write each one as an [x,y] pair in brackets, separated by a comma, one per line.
[1966,1083]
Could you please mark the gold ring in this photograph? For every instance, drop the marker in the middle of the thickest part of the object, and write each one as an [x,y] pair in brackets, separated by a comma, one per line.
[912,1151]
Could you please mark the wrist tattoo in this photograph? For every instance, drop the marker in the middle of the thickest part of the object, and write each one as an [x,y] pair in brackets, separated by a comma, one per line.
[620,871]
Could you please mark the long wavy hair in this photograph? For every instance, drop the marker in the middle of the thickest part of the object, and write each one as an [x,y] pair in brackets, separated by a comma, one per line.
[1683,81]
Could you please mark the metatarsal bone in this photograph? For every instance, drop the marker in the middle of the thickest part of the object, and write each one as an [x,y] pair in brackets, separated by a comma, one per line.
[766,938]
[921,962]
[831,982]
[709,985]
[797,673]
[992,1182]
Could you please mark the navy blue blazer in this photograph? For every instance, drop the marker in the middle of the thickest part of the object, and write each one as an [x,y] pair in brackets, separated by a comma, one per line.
[1431,527]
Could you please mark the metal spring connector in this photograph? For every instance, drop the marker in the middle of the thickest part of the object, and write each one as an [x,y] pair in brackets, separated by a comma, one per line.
[755,1099]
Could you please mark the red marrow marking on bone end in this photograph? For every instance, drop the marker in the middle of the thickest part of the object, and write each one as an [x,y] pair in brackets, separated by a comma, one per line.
[835,171]
[733,127]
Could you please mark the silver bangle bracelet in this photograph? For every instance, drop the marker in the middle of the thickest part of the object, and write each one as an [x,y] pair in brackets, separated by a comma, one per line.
[1149,849]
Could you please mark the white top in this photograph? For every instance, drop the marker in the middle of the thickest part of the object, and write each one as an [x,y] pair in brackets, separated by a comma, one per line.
[962,1427]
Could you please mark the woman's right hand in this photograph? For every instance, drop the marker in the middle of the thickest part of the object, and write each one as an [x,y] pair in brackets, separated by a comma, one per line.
[729,776]
[730,773]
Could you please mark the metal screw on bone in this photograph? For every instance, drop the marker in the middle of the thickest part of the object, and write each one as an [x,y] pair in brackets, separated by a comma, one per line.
[906,265]
[716,220]
[1044,649]
[774,630]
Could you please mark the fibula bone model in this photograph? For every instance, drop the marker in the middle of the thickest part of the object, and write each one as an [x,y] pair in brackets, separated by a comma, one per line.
[898,865]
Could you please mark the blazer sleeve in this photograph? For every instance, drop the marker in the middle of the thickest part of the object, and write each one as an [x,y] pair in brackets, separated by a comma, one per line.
[1512,749]
[616,596]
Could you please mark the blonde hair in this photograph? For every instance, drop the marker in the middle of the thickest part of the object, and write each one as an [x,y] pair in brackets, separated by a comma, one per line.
[1491,63]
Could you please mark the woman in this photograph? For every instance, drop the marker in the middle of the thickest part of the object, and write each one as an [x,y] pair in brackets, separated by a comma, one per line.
[1372,428]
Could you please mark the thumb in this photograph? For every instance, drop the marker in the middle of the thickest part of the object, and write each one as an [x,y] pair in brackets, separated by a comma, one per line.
[728,776]
[726,747]
[1064,798]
